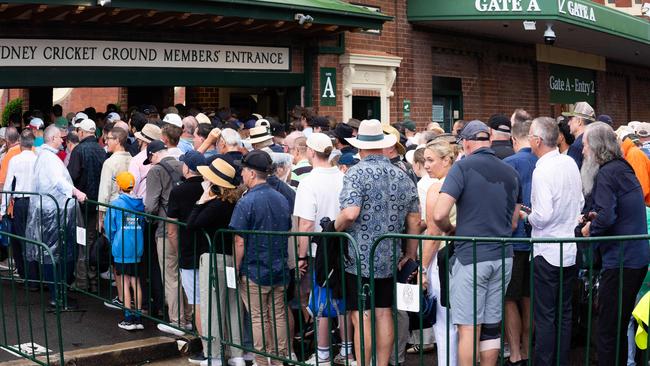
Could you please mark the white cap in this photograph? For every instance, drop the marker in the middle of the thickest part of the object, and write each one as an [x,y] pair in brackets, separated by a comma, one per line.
[624,131]
[319,142]
[173,119]
[113,117]
[202,119]
[87,125]
[36,123]
[78,117]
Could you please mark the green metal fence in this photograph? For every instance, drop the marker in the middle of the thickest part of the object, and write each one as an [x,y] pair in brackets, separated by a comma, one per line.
[229,331]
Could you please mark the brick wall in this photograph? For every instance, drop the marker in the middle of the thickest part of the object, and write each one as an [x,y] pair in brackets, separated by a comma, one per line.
[205,97]
[80,98]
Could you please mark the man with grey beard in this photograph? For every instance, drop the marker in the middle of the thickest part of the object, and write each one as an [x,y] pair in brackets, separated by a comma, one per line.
[556,202]
[615,208]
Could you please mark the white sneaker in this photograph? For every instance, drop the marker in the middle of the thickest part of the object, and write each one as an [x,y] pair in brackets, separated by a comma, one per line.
[108,275]
[167,329]
[312,361]
[249,356]
[188,326]
[236,361]
[4,265]
[211,361]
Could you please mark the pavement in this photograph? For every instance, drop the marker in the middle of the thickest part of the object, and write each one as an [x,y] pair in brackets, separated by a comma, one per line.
[26,321]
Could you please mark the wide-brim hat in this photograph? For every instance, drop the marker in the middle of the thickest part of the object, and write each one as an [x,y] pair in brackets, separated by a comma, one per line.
[582,110]
[259,134]
[149,133]
[371,136]
[220,173]
[390,130]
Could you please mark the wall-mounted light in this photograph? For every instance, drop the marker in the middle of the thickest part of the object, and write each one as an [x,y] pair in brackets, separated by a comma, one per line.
[530,25]
[104,2]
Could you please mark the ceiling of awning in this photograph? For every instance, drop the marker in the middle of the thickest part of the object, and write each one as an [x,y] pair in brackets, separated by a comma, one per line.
[234,16]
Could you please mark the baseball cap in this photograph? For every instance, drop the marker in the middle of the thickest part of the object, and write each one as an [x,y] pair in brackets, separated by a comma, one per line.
[87,125]
[125,180]
[257,160]
[473,129]
[409,125]
[193,159]
[250,124]
[499,122]
[348,159]
[582,110]
[36,123]
[605,118]
[78,117]
[319,142]
[152,148]
[113,117]
[623,132]
[173,119]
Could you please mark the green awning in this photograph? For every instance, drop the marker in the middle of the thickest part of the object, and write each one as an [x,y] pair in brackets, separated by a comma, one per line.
[582,13]
[330,12]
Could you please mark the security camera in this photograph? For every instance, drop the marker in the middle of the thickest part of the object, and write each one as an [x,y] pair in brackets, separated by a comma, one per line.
[549,35]
[302,18]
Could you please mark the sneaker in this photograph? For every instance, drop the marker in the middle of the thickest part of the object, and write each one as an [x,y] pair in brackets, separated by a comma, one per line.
[196,358]
[167,329]
[249,356]
[138,324]
[188,326]
[426,348]
[126,325]
[108,275]
[312,361]
[344,360]
[4,265]
[307,331]
[236,361]
[116,303]
[213,362]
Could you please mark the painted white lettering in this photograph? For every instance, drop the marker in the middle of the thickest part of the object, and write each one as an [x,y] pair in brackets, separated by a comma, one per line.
[533,6]
[560,5]
[480,5]
[516,5]
[494,6]
[328,91]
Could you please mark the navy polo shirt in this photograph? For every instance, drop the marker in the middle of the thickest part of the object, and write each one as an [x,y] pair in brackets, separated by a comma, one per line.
[523,162]
[575,151]
[265,256]
[486,191]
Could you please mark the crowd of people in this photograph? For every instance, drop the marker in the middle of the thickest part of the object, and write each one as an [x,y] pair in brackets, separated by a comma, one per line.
[515,176]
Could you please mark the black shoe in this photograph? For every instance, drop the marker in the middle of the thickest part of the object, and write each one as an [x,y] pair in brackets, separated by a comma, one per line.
[308,331]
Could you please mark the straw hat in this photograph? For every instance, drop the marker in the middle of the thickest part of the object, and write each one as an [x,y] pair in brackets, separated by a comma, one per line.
[149,133]
[390,130]
[220,172]
[259,134]
[371,136]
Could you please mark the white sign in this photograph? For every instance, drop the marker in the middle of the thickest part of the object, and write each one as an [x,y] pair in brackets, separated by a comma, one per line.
[231,277]
[408,297]
[81,235]
[50,53]
[577,10]
[507,5]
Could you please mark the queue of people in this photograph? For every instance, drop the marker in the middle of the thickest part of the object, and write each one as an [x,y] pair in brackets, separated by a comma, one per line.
[517,177]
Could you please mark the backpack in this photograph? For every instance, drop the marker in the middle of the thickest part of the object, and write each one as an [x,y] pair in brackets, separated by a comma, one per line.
[175,177]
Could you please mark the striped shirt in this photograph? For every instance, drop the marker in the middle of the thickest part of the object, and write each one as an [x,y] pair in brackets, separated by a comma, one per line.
[300,171]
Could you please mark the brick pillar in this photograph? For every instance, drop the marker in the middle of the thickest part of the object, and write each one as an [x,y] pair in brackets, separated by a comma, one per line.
[205,97]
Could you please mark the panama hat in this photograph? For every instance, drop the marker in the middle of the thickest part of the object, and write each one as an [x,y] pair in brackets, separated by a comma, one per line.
[220,173]
[259,134]
[371,136]
[390,130]
[149,133]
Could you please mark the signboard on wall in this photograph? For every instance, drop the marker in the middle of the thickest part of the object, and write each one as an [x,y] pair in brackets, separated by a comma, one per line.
[569,85]
[328,86]
[61,53]
[406,108]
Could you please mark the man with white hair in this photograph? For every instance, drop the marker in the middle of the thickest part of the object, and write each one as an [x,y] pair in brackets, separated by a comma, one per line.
[581,115]
[228,142]
[52,178]
[615,208]
[556,201]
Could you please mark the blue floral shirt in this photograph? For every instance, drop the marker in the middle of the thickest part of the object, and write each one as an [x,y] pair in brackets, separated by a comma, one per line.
[385,194]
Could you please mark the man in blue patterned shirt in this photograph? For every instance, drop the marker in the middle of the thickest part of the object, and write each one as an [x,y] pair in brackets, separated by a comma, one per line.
[377,198]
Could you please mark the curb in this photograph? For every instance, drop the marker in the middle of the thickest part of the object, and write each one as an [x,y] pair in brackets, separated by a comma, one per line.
[125,353]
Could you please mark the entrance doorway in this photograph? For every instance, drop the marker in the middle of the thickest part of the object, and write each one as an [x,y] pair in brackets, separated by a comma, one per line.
[447,101]
[366,108]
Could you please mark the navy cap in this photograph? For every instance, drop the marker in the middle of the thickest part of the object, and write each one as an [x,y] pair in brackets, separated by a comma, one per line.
[348,159]
[249,124]
[472,131]
[193,159]
[605,118]
[257,160]
[153,148]
[343,131]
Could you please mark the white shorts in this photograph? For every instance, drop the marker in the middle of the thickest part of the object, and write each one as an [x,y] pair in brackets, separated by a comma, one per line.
[191,286]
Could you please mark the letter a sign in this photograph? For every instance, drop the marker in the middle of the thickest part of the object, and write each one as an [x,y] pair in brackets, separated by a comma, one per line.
[328,86]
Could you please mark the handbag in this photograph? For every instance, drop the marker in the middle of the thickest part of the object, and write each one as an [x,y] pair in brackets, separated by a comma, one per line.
[5,227]
[99,253]
[428,311]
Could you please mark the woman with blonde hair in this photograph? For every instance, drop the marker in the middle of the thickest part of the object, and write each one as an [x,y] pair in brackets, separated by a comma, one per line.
[439,156]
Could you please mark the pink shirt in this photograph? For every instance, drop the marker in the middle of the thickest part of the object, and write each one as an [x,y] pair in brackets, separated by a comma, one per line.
[139,172]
